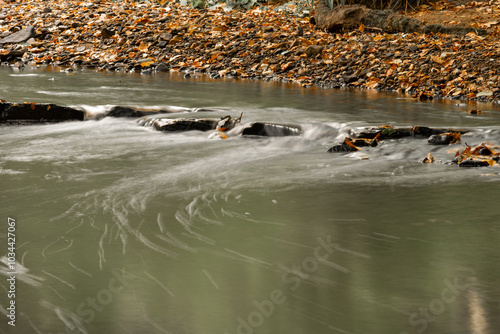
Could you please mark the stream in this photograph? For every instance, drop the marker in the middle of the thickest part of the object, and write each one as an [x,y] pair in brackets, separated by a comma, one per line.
[123,229]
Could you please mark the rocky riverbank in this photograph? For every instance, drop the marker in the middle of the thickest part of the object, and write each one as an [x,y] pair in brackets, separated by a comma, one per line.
[264,43]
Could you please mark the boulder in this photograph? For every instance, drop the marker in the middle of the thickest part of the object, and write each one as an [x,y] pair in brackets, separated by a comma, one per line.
[272,130]
[20,36]
[38,112]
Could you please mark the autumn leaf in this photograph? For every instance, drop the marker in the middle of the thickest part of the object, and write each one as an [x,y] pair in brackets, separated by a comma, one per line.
[349,143]
[143,47]
[361,27]
[428,159]
[437,59]
[147,63]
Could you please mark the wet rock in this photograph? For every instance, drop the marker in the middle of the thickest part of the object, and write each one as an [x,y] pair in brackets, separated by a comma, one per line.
[350,78]
[473,163]
[272,130]
[444,138]
[343,147]
[20,36]
[188,124]
[364,142]
[385,133]
[162,68]
[119,111]
[107,33]
[38,112]
[485,93]
[426,132]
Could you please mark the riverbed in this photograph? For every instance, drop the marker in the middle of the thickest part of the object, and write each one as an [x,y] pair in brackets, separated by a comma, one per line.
[123,229]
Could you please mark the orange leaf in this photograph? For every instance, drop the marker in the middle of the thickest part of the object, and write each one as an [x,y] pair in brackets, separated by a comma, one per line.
[349,143]
[143,47]
[147,63]
[362,27]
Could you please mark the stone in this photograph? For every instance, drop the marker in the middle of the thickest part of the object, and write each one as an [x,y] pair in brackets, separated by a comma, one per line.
[350,78]
[272,130]
[313,50]
[441,139]
[183,124]
[485,93]
[473,163]
[119,111]
[38,112]
[162,67]
[342,148]
[107,33]
[20,36]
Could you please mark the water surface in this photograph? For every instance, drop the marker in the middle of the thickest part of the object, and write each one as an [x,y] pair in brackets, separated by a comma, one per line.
[121,229]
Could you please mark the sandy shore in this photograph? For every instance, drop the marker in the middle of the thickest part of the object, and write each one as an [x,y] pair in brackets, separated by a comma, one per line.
[262,43]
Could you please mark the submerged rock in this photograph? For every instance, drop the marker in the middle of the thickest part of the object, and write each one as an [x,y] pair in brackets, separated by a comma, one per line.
[385,132]
[38,112]
[272,130]
[343,147]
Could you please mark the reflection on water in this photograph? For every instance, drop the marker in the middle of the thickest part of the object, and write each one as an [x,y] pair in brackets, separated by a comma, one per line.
[122,229]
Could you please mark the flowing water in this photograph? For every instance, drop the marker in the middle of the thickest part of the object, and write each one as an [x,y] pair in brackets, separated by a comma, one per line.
[122,229]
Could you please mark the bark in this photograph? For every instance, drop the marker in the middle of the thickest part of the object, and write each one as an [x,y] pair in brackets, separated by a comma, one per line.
[352,16]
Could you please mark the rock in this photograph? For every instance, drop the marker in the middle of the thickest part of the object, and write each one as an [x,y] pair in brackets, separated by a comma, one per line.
[272,130]
[444,138]
[387,132]
[473,163]
[187,124]
[38,112]
[314,50]
[426,132]
[344,147]
[485,93]
[364,142]
[119,111]
[162,67]
[20,36]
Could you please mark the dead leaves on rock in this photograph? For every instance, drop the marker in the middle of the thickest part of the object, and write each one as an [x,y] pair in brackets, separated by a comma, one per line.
[478,156]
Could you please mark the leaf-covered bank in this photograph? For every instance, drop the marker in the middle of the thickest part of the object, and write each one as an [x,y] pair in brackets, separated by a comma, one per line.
[261,43]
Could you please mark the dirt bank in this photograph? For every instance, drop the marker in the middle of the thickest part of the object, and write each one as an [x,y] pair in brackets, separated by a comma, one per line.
[261,43]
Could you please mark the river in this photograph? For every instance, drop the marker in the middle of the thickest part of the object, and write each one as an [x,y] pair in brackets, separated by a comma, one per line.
[123,229]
